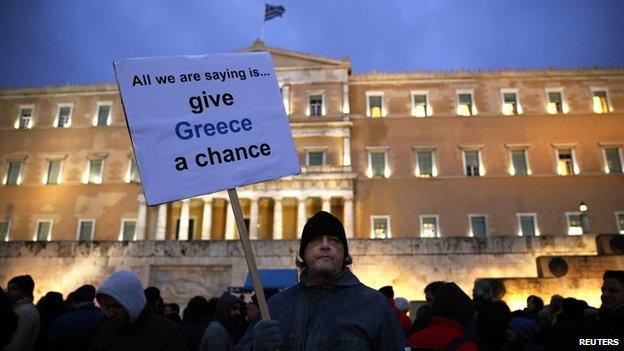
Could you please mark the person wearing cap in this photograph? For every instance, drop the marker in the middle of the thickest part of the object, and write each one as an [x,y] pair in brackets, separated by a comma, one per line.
[75,329]
[132,324]
[330,309]
[20,291]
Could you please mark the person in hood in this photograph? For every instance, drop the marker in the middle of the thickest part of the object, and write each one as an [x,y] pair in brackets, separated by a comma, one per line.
[132,323]
[330,309]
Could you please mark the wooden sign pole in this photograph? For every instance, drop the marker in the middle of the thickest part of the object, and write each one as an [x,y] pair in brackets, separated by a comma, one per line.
[249,255]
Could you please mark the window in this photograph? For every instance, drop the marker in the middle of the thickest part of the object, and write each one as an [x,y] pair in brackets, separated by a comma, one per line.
[380,227]
[85,229]
[285,90]
[377,165]
[4,230]
[425,164]
[555,102]
[519,165]
[375,106]
[103,114]
[128,229]
[25,120]
[44,230]
[465,104]
[429,226]
[132,175]
[316,158]
[619,218]
[565,162]
[478,226]
[527,224]
[315,105]
[472,163]
[600,99]
[511,104]
[420,104]
[13,176]
[53,176]
[613,161]
[64,116]
[94,172]
[575,223]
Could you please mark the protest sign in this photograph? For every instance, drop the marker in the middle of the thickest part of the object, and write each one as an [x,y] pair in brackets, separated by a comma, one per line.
[206,123]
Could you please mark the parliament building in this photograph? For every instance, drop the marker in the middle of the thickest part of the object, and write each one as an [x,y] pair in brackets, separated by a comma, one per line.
[393,155]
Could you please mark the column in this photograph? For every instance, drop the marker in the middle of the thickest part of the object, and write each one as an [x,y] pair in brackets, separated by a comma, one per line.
[301,215]
[346,152]
[345,101]
[183,230]
[277,219]
[141,218]
[348,216]
[229,223]
[286,98]
[326,204]
[253,219]
[207,219]
[161,223]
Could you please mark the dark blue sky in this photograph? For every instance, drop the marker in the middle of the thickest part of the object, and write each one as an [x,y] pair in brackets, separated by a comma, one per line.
[45,42]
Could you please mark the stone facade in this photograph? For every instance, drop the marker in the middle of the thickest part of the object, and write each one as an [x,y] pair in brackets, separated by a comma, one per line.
[185,269]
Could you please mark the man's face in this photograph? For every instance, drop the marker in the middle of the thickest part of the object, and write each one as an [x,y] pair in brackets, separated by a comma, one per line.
[114,310]
[324,256]
[14,293]
[235,312]
[612,293]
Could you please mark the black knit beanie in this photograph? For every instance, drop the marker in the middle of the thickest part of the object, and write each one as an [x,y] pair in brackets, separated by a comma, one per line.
[25,283]
[323,223]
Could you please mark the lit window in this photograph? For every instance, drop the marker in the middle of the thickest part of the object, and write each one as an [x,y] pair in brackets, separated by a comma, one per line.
[316,158]
[132,175]
[44,230]
[600,101]
[377,164]
[612,160]
[53,175]
[85,229]
[94,171]
[375,106]
[619,217]
[425,164]
[473,163]
[478,226]
[13,176]
[25,119]
[380,227]
[429,226]
[63,117]
[4,230]
[519,163]
[465,104]
[103,115]
[565,162]
[527,224]
[511,105]
[555,102]
[128,230]
[285,90]
[315,105]
[420,105]
[575,223]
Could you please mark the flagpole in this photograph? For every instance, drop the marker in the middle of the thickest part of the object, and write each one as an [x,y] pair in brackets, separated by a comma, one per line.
[262,30]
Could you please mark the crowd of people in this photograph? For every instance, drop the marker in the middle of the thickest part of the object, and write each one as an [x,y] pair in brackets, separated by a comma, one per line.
[329,309]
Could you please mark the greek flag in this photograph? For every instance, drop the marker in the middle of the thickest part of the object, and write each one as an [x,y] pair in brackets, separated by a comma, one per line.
[272,11]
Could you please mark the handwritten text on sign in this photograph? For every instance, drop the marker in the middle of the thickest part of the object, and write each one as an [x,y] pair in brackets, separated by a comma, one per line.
[201,124]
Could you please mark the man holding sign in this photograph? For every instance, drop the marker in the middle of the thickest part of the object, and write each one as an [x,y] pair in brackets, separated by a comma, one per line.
[330,309]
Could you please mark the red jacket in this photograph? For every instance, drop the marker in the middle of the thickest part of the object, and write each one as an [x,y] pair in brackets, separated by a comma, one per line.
[441,332]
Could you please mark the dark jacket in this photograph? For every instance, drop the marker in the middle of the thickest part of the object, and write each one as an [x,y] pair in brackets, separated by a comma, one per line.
[339,315]
[75,329]
[147,333]
[606,324]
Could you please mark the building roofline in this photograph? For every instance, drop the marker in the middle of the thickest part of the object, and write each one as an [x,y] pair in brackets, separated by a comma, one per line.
[259,45]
